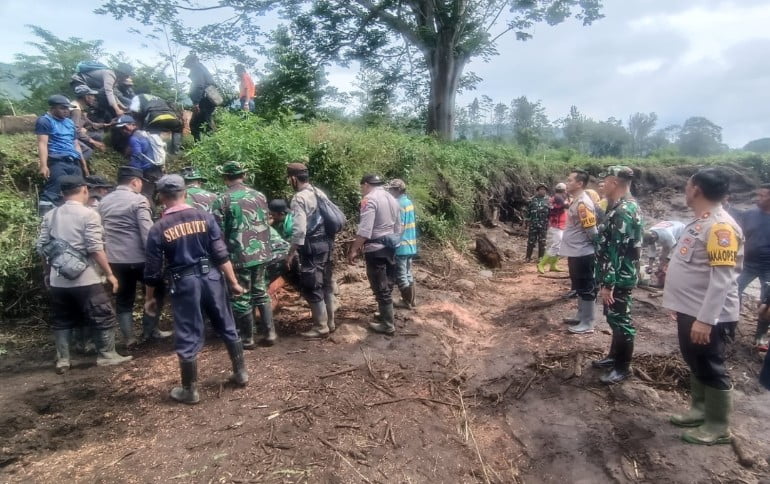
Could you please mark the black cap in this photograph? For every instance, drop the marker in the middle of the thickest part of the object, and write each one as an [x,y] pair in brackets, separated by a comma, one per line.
[69,182]
[372,179]
[97,181]
[130,172]
[58,100]
[278,205]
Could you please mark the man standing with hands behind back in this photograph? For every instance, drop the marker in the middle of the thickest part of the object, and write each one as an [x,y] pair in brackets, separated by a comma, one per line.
[702,289]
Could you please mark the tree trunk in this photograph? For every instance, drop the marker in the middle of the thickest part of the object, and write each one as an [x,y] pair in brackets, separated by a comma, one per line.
[445,69]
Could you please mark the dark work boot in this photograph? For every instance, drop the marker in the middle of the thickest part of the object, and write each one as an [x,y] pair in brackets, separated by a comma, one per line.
[188,392]
[62,342]
[126,324]
[82,340]
[320,327]
[406,297]
[235,349]
[621,369]
[245,325]
[150,329]
[266,325]
[413,292]
[105,348]
[530,249]
[578,316]
[329,301]
[609,360]
[385,324]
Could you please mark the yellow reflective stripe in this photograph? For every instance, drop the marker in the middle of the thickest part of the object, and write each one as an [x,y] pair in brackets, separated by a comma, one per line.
[410,208]
[409,226]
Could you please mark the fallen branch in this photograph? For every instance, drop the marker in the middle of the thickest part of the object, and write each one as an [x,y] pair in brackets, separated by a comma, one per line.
[337,451]
[402,399]
[286,410]
[475,444]
[746,459]
[526,386]
[130,452]
[338,372]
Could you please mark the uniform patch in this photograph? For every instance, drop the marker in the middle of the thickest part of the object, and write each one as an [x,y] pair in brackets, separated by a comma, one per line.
[688,241]
[364,201]
[705,215]
[693,232]
[722,245]
[586,216]
[662,225]
[684,250]
[698,227]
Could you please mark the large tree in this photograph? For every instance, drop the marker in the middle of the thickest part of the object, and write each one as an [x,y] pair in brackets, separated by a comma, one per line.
[444,34]
[700,137]
[530,124]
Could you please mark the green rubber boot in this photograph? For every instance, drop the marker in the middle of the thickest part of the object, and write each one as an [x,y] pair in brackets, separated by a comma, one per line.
[541,264]
[697,413]
[553,260]
[62,341]
[716,428]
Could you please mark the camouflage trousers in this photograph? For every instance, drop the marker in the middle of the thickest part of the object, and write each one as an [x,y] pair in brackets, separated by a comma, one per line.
[619,313]
[254,281]
[537,236]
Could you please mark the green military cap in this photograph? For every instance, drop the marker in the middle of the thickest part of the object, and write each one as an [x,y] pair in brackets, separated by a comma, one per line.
[619,171]
[231,168]
[193,174]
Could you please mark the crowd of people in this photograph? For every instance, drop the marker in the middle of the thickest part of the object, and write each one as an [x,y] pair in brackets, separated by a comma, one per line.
[703,266]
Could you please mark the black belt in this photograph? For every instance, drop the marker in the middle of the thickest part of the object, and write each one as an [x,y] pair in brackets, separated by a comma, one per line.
[201,268]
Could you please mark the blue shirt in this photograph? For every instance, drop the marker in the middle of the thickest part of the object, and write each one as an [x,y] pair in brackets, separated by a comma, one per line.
[141,152]
[61,136]
[408,222]
[756,229]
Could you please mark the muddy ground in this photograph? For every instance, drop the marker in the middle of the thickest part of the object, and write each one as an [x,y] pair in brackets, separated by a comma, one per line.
[480,384]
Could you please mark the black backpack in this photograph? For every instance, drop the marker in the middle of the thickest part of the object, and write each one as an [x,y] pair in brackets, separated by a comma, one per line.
[333,218]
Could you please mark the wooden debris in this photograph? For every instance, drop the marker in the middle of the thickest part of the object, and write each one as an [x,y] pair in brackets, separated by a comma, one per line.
[338,372]
[488,252]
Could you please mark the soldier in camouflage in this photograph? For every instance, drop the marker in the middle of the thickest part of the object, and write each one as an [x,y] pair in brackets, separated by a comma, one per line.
[618,251]
[197,196]
[242,213]
[537,222]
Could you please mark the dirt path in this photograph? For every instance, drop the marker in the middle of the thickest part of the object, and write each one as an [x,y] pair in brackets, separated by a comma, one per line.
[478,386]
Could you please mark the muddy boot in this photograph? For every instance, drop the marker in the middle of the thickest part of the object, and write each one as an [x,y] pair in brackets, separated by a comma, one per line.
[245,325]
[541,264]
[320,327]
[715,429]
[239,377]
[697,413]
[406,297]
[126,324]
[82,341]
[266,325]
[621,369]
[188,392]
[530,248]
[760,337]
[105,347]
[150,331]
[329,302]
[609,360]
[587,318]
[61,339]
[552,261]
[385,324]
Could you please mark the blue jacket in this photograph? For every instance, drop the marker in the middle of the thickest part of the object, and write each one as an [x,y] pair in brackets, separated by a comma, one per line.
[408,222]
[140,148]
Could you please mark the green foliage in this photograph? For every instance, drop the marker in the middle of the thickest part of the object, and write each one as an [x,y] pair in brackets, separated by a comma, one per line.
[761,145]
[700,137]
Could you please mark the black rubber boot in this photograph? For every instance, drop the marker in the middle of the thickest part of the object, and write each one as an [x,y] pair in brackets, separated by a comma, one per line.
[385,324]
[320,327]
[609,360]
[126,324]
[150,331]
[622,368]
[266,325]
[188,392]
[235,349]
[530,249]
[245,325]
[406,297]
[62,341]
[413,292]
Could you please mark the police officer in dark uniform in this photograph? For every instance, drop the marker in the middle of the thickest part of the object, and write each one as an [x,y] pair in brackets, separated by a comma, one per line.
[198,264]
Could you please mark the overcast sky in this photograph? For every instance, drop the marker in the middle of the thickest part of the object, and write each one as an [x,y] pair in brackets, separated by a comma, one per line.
[678,58]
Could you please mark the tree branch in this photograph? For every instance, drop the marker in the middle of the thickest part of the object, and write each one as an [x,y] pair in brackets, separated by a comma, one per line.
[392,21]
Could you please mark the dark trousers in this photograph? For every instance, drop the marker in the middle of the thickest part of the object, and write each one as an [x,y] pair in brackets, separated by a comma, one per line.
[315,270]
[78,306]
[191,297]
[581,274]
[764,375]
[619,313]
[203,120]
[381,272]
[706,362]
[128,276]
[152,175]
[59,168]
[536,236]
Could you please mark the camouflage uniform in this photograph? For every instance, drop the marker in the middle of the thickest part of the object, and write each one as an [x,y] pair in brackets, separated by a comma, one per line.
[537,216]
[198,197]
[619,246]
[242,213]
